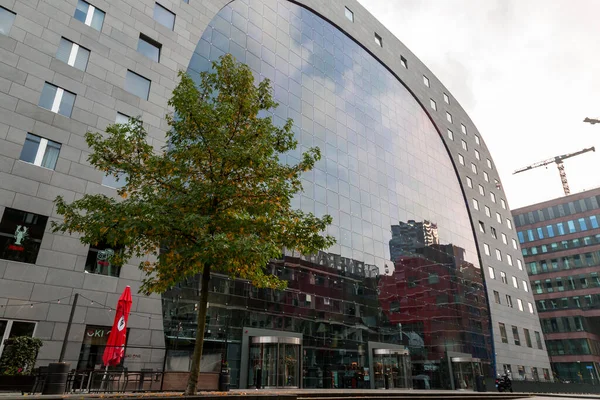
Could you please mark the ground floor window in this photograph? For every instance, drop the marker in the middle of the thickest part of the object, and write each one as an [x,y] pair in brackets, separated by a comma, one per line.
[576,372]
[92,348]
[11,328]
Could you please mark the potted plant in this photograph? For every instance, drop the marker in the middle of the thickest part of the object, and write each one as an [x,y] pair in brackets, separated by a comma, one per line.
[17,362]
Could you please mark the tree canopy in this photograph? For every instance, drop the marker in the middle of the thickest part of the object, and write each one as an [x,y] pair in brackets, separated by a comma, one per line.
[216,198]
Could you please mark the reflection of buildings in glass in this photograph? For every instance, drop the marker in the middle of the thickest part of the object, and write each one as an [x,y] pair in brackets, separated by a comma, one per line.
[434,297]
[409,236]
[331,301]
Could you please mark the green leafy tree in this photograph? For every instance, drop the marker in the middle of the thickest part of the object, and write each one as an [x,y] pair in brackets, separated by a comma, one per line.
[217,198]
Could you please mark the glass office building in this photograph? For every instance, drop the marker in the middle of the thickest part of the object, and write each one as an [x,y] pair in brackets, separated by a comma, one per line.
[401,291]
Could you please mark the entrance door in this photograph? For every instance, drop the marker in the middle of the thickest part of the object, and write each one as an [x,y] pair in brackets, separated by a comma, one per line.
[274,360]
[465,372]
[391,369]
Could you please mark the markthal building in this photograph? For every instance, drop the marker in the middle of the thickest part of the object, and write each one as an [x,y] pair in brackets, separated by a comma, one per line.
[425,286]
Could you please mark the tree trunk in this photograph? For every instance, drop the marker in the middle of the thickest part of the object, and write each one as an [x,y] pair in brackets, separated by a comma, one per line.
[202,308]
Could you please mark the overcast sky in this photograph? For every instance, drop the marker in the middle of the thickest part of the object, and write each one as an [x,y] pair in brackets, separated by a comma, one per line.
[526,71]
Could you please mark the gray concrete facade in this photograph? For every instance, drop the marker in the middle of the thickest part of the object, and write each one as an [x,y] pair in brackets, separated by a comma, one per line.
[28,60]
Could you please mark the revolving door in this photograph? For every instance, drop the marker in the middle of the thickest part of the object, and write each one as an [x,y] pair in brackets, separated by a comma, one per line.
[465,371]
[392,369]
[273,362]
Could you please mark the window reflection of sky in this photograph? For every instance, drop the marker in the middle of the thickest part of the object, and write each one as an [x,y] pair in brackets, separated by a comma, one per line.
[383,161]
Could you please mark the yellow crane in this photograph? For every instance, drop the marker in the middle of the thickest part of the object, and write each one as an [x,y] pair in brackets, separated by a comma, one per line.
[559,163]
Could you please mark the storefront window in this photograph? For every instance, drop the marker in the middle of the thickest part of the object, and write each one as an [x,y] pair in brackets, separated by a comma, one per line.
[10,329]
[21,235]
[95,338]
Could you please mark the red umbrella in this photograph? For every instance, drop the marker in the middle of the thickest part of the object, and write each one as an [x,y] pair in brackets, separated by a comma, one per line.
[115,347]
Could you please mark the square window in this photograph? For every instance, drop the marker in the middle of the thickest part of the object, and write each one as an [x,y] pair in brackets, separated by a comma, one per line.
[403,62]
[449,117]
[475,204]
[89,15]
[72,54]
[464,145]
[477,139]
[115,182]
[21,235]
[463,129]
[164,16]
[122,119]
[425,81]
[446,98]
[40,151]
[7,18]
[349,14]
[137,85]
[148,47]
[378,40]
[461,159]
[100,260]
[433,105]
[469,182]
[474,168]
[450,134]
[481,190]
[477,156]
[57,100]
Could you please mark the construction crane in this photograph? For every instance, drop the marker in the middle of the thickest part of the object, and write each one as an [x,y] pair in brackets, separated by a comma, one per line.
[559,163]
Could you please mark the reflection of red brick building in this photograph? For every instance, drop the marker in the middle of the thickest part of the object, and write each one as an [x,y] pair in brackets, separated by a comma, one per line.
[437,300]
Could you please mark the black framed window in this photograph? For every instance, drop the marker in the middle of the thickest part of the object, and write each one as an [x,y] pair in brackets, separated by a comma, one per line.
[21,235]
[100,260]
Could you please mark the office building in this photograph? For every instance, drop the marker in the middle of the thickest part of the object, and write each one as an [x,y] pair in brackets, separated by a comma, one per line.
[560,240]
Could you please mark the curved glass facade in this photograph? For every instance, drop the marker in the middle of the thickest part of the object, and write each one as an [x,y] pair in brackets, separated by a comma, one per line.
[400,294]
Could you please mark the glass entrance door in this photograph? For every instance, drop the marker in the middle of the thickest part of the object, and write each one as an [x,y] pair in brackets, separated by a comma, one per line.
[274,362]
[392,369]
[465,372]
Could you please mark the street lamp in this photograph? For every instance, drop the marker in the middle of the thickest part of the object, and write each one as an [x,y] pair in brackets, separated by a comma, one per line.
[591,120]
